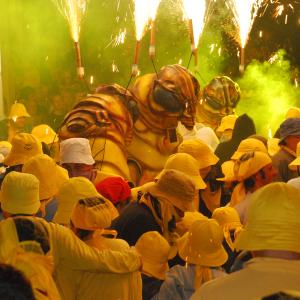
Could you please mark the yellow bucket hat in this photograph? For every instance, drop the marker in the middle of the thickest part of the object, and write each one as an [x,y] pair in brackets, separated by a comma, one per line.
[155,251]
[20,194]
[248,145]
[249,164]
[91,214]
[174,187]
[227,122]
[273,146]
[228,171]
[73,190]
[188,165]
[190,217]
[5,148]
[292,112]
[24,146]
[202,244]
[50,175]
[273,221]
[200,151]
[45,133]
[294,165]
[18,110]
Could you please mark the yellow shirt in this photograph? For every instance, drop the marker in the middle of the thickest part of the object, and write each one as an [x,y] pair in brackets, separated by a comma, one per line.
[260,277]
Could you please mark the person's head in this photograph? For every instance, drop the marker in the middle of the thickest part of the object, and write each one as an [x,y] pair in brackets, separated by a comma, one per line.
[187,164]
[175,188]
[155,252]
[70,193]
[248,145]
[290,133]
[45,133]
[202,244]
[255,169]
[14,285]
[24,146]
[201,152]
[18,115]
[225,129]
[20,194]
[50,175]
[5,148]
[292,112]
[76,158]
[115,189]
[272,222]
[88,215]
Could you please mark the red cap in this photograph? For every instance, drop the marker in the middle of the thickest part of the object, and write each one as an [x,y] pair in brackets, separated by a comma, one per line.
[115,189]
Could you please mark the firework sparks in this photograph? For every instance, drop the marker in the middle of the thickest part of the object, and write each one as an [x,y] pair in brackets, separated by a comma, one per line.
[74,11]
[244,12]
[153,7]
[195,11]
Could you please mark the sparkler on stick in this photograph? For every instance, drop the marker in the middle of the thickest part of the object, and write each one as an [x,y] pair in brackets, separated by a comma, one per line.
[74,11]
[195,11]
[244,12]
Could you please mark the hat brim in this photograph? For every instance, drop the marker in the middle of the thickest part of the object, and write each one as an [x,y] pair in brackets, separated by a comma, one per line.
[13,159]
[208,160]
[155,191]
[198,181]
[295,164]
[156,270]
[214,259]
[236,155]
[254,240]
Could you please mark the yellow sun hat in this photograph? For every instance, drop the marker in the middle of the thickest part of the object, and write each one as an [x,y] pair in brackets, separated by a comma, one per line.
[293,112]
[273,221]
[248,145]
[45,133]
[249,164]
[294,165]
[175,187]
[227,122]
[200,151]
[18,110]
[202,244]
[155,251]
[24,146]
[20,194]
[5,148]
[91,214]
[188,165]
[228,171]
[50,175]
[190,217]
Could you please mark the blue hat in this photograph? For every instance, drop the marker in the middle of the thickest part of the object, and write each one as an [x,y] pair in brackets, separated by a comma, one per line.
[289,127]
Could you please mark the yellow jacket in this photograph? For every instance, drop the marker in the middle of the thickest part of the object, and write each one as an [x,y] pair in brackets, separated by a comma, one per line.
[260,277]
[78,284]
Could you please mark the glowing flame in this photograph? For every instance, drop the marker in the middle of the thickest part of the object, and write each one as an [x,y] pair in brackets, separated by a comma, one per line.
[195,10]
[73,11]
[91,80]
[244,12]
[141,16]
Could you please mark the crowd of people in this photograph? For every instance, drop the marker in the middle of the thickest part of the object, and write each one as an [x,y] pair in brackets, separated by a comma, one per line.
[220,221]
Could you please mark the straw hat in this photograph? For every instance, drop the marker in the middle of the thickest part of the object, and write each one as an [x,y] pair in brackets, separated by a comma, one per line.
[175,187]
[294,165]
[154,250]
[45,133]
[249,164]
[188,165]
[227,122]
[50,175]
[200,151]
[24,146]
[228,171]
[248,145]
[76,150]
[91,214]
[20,194]
[18,110]
[202,244]
[273,221]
